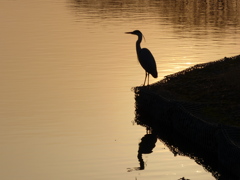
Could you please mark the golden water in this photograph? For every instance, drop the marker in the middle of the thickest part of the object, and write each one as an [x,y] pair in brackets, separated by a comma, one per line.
[67,69]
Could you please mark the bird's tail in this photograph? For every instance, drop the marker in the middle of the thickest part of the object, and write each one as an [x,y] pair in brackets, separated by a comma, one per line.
[155,74]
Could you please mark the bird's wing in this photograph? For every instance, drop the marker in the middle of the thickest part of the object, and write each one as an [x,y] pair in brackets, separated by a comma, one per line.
[147,61]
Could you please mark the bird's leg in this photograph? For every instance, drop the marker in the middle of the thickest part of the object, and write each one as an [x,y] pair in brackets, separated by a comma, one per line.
[148,78]
[145,79]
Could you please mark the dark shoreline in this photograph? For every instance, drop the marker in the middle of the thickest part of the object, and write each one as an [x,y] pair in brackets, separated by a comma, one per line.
[193,116]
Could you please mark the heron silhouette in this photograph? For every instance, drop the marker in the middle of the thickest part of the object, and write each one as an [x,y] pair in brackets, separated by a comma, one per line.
[145,57]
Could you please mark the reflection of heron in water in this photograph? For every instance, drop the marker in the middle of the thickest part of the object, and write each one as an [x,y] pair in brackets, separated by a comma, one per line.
[146,146]
[145,57]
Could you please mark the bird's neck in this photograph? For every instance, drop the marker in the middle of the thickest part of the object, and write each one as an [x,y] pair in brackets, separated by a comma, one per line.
[138,47]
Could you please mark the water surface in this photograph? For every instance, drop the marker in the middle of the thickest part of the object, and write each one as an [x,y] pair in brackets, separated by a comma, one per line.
[67,70]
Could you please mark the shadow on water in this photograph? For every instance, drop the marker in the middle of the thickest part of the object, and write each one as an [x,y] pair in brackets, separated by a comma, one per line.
[177,143]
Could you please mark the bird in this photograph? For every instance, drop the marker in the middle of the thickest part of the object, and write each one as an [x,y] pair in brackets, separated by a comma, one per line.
[145,57]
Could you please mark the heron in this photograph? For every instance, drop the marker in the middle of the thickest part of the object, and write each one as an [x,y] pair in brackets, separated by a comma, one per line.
[145,57]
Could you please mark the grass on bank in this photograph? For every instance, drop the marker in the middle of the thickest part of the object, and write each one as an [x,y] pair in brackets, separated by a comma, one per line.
[214,84]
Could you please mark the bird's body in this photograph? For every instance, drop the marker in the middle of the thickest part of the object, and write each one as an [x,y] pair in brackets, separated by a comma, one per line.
[145,57]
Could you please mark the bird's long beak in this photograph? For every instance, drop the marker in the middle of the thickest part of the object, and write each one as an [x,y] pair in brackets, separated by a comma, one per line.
[128,32]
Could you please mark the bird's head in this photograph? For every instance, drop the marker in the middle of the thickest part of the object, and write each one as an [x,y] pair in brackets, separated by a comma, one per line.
[136,32]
